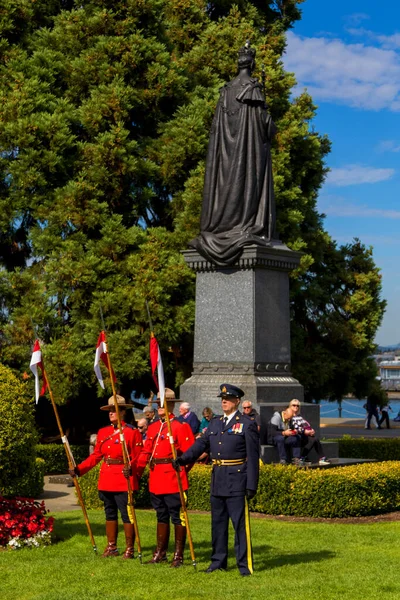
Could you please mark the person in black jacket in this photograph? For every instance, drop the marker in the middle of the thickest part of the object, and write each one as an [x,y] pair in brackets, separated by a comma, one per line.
[233,444]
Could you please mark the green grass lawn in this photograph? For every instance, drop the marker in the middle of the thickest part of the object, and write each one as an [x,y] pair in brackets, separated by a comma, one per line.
[293,561]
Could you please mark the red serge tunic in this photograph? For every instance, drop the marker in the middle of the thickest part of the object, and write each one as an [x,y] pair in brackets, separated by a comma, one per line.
[163,478]
[108,445]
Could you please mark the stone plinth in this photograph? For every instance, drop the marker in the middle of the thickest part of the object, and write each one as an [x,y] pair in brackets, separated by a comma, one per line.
[242,328]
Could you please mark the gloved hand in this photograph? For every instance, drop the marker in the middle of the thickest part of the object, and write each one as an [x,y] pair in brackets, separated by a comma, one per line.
[177,464]
[250,494]
[127,471]
[73,472]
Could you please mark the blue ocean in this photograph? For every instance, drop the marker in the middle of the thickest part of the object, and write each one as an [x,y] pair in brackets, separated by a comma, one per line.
[352,409]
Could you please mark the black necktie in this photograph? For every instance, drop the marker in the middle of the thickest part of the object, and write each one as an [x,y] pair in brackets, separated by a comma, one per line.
[225,421]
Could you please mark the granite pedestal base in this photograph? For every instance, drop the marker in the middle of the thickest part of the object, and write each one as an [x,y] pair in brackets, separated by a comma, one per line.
[242,328]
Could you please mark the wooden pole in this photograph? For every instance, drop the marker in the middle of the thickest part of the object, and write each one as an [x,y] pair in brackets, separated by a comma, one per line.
[131,506]
[174,455]
[71,461]
[181,492]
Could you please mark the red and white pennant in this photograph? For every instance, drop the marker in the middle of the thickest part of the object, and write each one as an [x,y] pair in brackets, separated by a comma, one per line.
[37,361]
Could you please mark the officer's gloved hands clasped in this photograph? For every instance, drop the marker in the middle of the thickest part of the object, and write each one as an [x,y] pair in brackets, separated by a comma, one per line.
[250,494]
[73,472]
[177,463]
[127,471]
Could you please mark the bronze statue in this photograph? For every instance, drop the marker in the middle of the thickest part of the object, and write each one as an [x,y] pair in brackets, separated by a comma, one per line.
[238,199]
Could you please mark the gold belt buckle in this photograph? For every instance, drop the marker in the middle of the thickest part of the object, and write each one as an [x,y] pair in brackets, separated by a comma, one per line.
[218,462]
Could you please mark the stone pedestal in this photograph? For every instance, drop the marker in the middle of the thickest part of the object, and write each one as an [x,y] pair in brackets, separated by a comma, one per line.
[242,328]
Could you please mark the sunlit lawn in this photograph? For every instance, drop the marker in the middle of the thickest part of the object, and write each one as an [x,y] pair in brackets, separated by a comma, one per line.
[292,561]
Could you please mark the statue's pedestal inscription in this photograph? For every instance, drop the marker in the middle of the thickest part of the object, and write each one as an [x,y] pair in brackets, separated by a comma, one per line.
[242,329]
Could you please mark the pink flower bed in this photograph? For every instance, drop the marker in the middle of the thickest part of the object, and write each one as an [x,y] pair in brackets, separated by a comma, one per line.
[23,522]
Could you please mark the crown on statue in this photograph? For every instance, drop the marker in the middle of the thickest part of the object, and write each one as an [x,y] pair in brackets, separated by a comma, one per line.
[247,52]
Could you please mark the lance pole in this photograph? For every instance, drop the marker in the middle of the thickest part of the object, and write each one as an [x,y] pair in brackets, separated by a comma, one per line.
[164,402]
[181,492]
[131,506]
[71,460]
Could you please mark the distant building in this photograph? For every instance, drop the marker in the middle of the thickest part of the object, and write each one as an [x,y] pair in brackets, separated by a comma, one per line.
[389,371]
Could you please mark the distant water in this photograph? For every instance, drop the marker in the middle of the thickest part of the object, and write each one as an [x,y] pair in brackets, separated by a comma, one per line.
[352,409]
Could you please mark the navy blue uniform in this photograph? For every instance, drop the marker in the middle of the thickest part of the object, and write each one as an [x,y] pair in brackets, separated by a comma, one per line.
[238,444]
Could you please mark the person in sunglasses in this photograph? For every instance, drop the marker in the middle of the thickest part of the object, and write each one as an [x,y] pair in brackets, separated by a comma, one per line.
[306,433]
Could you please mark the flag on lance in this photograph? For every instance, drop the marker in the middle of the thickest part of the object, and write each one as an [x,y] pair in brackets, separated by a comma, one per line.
[156,363]
[37,361]
[101,355]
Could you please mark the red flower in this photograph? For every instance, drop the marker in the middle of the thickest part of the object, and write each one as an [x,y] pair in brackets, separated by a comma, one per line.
[23,518]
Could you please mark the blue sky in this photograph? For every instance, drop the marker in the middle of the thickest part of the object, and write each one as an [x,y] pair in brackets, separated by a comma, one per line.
[347,55]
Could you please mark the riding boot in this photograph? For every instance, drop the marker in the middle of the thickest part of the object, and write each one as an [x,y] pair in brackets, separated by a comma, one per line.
[112,534]
[160,554]
[130,540]
[180,539]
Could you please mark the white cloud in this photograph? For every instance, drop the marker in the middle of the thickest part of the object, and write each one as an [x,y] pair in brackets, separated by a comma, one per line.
[337,206]
[388,146]
[356,18]
[354,74]
[357,174]
[388,42]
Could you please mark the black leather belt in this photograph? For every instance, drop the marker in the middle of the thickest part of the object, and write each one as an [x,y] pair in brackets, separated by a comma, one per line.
[113,461]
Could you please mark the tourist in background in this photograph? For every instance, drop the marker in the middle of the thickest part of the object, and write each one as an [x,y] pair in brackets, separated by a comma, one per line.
[249,411]
[207,416]
[189,417]
[307,434]
[385,414]
[286,439]
[142,425]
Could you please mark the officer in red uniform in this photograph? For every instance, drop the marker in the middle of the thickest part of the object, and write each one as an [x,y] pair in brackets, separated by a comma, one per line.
[163,483]
[112,485]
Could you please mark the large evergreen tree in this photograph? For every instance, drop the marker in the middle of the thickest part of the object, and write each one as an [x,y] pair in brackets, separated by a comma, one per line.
[105,109]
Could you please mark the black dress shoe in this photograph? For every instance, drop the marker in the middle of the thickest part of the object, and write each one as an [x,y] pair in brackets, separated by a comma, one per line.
[211,569]
[245,574]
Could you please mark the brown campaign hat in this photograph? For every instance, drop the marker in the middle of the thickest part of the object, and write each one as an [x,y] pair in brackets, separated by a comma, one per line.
[121,403]
[169,395]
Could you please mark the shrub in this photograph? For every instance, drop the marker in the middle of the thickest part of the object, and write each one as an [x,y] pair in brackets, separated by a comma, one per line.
[55,458]
[358,490]
[90,495]
[23,523]
[19,472]
[199,487]
[378,448]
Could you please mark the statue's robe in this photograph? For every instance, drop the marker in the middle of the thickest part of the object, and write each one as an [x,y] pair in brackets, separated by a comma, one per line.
[238,199]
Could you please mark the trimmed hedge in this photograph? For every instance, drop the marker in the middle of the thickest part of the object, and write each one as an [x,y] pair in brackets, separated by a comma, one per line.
[20,475]
[353,491]
[358,490]
[55,458]
[28,485]
[378,448]
[90,495]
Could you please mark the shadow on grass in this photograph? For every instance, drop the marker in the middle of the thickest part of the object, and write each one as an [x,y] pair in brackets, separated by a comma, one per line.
[67,528]
[265,557]
[265,564]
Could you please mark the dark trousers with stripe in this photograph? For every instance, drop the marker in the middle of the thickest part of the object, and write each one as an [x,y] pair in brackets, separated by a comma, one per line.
[224,508]
[167,506]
